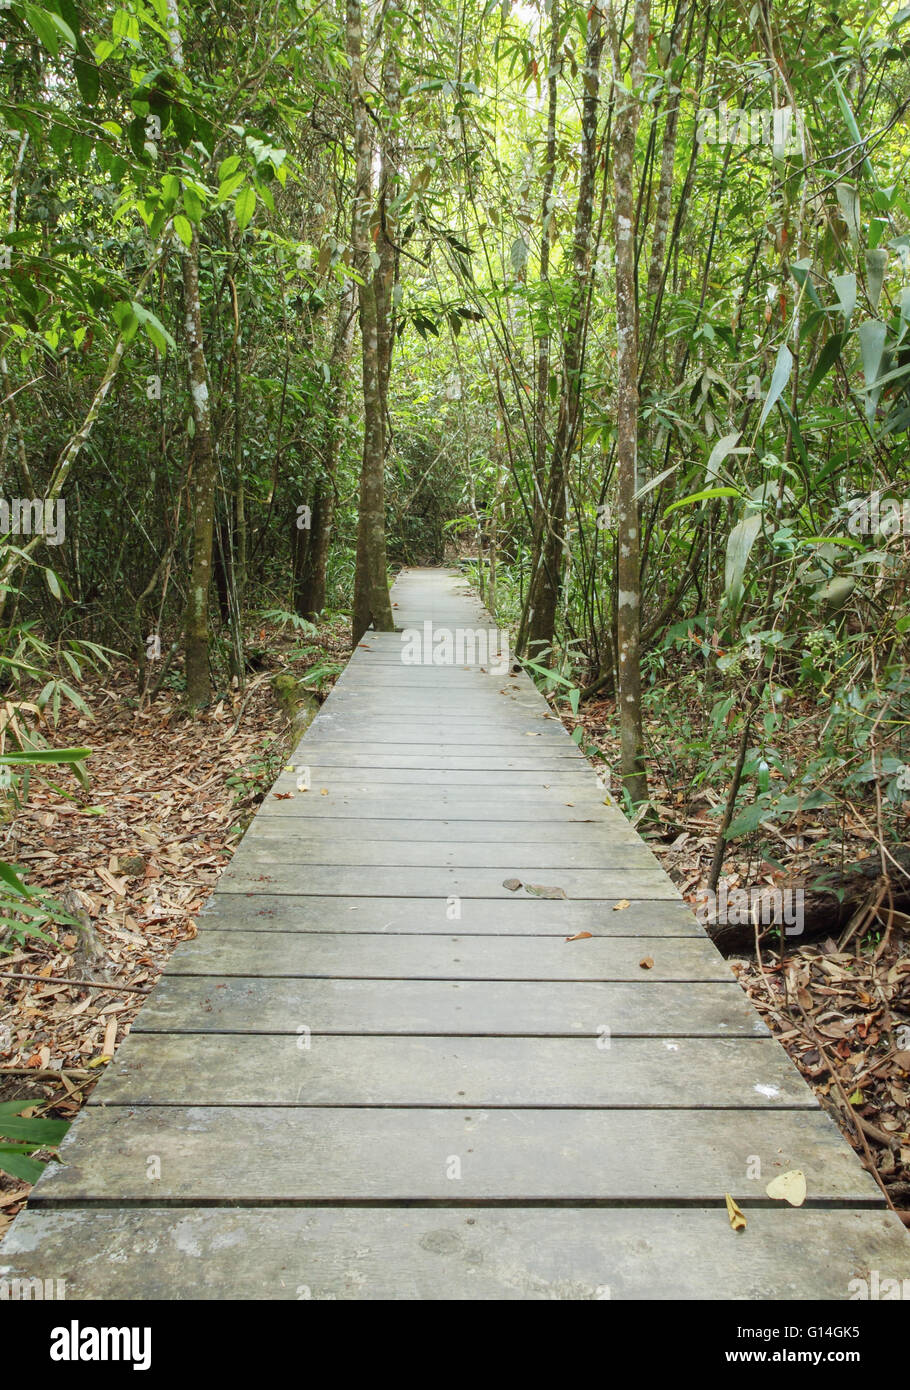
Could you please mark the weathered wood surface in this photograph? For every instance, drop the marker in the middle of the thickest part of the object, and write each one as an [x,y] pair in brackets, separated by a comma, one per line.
[520,916]
[380,1073]
[390,956]
[505,1155]
[450,1252]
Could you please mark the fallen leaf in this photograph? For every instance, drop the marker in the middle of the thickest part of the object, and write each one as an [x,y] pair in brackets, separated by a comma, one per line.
[737,1220]
[540,890]
[788,1187]
[621,905]
[513,884]
[579,936]
[647,962]
[117,884]
[283,796]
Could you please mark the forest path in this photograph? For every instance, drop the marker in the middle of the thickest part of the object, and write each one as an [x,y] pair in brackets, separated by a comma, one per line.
[380,1073]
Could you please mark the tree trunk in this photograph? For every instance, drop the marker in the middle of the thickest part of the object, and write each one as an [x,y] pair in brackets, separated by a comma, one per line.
[198,684]
[628,608]
[539,622]
[310,572]
[372,603]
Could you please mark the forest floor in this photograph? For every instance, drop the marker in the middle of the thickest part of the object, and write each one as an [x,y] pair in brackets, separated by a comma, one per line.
[168,800]
[841,1014]
[169,797]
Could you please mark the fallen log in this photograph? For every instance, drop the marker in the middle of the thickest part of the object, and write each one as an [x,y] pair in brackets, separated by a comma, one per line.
[827,905]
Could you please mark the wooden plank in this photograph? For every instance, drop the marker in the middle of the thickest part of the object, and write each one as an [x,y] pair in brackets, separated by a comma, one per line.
[447,1008]
[493,762]
[685,1073]
[273,830]
[494,780]
[378,956]
[261,912]
[404,728]
[540,805]
[319,847]
[503,1155]
[606,885]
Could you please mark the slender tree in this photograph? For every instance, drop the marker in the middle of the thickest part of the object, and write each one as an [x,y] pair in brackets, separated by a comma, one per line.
[628,602]
[371,587]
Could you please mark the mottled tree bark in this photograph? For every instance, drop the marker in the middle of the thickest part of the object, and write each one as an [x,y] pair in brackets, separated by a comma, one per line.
[371,589]
[196,620]
[628,609]
[539,625]
[196,625]
[542,396]
[312,548]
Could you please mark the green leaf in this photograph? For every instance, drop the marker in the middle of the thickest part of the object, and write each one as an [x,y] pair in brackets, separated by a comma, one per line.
[848,201]
[229,186]
[12,880]
[750,820]
[518,255]
[739,545]
[852,127]
[125,319]
[184,229]
[722,449]
[244,206]
[33,1130]
[802,274]
[50,28]
[872,334]
[88,80]
[652,483]
[18,1165]
[826,359]
[781,375]
[154,327]
[845,289]
[876,262]
[192,204]
[703,496]
[36,756]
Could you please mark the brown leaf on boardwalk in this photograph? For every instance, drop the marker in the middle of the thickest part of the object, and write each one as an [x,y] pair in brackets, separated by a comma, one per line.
[540,890]
[580,936]
[513,884]
[623,903]
[283,796]
[647,962]
[323,791]
[737,1220]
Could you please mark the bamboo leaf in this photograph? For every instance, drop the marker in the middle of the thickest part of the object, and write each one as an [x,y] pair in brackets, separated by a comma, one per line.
[781,375]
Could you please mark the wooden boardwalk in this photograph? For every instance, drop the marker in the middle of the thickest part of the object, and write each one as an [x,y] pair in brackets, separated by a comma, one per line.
[380,1073]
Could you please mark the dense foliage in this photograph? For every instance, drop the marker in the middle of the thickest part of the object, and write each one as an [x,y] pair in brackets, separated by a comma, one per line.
[638,284]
